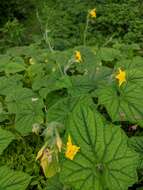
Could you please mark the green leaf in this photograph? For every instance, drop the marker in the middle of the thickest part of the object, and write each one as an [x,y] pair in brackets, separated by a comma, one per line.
[104,161]
[51,84]
[36,70]
[8,83]
[17,99]
[84,84]
[3,114]
[29,115]
[108,54]
[15,66]
[60,111]
[6,138]
[135,62]
[125,102]
[81,85]
[54,184]
[137,144]
[13,180]
[4,60]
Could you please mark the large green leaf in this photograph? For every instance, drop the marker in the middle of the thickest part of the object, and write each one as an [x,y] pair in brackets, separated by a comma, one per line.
[13,180]
[84,84]
[14,67]
[108,54]
[81,85]
[10,65]
[62,109]
[135,62]
[8,83]
[54,184]
[17,99]
[6,138]
[49,84]
[4,60]
[137,144]
[124,102]
[104,161]
[29,115]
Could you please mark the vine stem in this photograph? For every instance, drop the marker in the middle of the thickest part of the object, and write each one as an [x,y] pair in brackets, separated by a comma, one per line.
[86,31]
[109,40]
[47,40]
[44,33]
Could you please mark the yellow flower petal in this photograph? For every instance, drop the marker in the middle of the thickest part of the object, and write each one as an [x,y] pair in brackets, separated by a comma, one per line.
[121,77]
[69,141]
[92,13]
[71,149]
[78,56]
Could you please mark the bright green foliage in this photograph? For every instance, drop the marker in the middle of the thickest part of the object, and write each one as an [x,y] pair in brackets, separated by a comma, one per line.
[47,94]
[6,138]
[12,180]
[104,161]
[43,89]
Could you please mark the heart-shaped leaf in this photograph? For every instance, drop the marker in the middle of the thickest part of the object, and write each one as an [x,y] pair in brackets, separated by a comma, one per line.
[17,99]
[31,114]
[125,102]
[104,160]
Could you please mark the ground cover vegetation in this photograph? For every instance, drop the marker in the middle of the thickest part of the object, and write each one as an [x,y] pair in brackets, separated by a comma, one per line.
[71,85]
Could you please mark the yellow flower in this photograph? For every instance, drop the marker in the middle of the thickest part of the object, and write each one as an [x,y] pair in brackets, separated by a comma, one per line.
[71,149]
[78,56]
[121,77]
[92,13]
